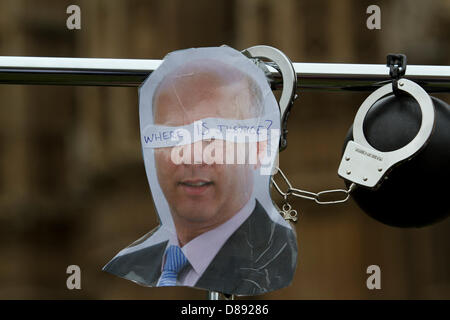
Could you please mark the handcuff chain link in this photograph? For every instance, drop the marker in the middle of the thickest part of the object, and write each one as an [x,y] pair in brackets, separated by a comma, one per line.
[317,197]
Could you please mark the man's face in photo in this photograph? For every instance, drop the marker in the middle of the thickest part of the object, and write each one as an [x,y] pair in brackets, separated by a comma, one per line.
[201,194]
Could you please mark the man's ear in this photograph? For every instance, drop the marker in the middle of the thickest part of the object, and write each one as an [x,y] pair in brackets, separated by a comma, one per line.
[261,152]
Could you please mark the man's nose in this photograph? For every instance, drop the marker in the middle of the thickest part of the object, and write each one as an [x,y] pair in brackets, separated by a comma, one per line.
[193,154]
[197,153]
[205,153]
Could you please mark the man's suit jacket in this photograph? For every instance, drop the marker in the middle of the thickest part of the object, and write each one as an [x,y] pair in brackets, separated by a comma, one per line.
[260,256]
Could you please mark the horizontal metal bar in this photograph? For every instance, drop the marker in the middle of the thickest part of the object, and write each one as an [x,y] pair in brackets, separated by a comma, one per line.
[75,71]
[132,72]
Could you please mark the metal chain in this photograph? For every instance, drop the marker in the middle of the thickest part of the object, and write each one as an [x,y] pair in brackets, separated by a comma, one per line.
[317,197]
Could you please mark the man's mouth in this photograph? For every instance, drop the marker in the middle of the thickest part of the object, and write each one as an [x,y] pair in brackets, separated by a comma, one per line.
[195,187]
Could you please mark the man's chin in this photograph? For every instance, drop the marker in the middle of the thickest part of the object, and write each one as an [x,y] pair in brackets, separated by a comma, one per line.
[195,215]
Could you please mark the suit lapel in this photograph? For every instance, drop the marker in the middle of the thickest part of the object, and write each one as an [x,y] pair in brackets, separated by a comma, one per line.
[235,261]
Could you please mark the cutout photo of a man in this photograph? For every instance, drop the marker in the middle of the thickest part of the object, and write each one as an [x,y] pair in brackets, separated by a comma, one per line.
[219,228]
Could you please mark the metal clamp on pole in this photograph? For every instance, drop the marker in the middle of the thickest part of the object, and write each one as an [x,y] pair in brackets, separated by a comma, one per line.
[397,69]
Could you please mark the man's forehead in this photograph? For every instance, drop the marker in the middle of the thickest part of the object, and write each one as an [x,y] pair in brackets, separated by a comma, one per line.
[192,94]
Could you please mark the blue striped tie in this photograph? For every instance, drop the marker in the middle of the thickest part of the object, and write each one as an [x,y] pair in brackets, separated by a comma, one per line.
[175,261]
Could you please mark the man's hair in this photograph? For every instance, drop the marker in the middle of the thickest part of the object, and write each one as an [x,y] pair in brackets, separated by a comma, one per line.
[223,74]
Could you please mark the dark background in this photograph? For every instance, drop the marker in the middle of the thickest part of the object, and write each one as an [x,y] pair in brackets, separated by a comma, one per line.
[73,189]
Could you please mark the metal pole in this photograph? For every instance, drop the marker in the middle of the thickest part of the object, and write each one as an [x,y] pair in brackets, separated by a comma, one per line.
[132,72]
[213,295]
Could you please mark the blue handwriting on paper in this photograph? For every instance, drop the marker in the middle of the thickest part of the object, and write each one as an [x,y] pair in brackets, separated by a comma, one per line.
[162,136]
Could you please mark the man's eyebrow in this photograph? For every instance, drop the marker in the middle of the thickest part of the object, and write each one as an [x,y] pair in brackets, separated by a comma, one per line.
[169,124]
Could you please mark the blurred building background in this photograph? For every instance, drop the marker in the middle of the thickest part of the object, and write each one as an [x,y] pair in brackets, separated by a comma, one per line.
[73,188]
